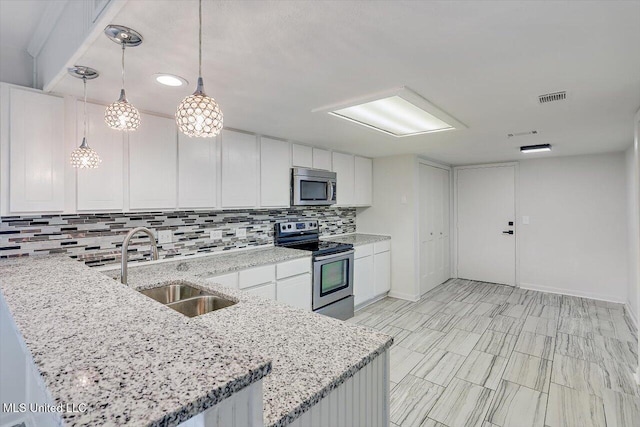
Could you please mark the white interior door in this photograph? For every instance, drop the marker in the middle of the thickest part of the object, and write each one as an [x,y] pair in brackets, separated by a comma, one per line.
[486,208]
[433,226]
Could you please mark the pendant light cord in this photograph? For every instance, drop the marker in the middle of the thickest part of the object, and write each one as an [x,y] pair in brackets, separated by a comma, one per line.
[84,82]
[200,38]
[123,46]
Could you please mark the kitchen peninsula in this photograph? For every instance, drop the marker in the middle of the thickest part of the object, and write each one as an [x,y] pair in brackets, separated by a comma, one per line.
[133,361]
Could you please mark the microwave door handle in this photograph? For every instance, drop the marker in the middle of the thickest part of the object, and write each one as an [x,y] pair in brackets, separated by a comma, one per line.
[330,190]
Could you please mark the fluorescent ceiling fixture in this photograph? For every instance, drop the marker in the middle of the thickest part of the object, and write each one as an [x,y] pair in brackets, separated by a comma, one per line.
[535,148]
[169,80]
[398,113]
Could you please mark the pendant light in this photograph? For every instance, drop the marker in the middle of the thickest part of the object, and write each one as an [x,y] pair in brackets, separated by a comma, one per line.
[199,115]
[84,157]
[121,115]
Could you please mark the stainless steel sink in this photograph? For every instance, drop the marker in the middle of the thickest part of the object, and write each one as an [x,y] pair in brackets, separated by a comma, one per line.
[173,292]
[193,307]
[187,299]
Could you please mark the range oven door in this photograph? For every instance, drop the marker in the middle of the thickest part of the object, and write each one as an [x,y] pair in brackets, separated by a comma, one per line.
[332,278]
[311,187]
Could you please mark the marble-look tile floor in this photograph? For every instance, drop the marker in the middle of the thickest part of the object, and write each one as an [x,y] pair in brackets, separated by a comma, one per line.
[480,354]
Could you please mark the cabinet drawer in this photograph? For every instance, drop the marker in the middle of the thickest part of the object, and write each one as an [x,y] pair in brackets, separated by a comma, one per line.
[229,280]
[293,268]
[382,246]
[265,291]
[257,276]
[363,251]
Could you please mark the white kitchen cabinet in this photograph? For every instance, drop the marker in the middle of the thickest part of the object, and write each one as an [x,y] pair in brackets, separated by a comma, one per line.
[37,152]
[363,286]
[382,272]
[343,166]
[267,290]
[257,276]
[275,172]
[295,291]
[153,163]
[197,172]
[239,170]
[101,188]
[321,159]
[302,156]
[229,280]
[363,181]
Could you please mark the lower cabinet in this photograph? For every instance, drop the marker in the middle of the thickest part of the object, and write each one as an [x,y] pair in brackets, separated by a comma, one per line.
[372,271]
[287,282]
[296,291]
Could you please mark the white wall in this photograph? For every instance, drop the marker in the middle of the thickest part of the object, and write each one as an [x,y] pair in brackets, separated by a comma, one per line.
[16,66]
[576,242]
[394,178]
[633,213]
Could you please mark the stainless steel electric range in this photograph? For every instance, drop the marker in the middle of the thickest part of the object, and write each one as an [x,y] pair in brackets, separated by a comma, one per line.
[332,266]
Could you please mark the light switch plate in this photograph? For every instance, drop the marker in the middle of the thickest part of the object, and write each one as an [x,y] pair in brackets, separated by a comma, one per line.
[215,234]
[525,220]
[241,232]
[165,236]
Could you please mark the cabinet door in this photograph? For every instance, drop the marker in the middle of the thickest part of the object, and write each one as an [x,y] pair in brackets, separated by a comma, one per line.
[197,172]
[382,273]
[302,156]
[363,286]
[275,172]
[265,291]
[239,170]
[321,159]
[37,152]
[363,178]
[343,166]
[153,164]
[296,291]
[101,188]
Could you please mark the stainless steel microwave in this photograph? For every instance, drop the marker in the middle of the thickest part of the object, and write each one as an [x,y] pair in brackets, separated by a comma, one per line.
[311,187]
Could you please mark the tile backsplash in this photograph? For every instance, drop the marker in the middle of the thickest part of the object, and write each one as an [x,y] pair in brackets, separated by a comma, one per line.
[96,239]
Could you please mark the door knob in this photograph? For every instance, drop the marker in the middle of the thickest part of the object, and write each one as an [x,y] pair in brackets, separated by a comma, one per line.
[508,232]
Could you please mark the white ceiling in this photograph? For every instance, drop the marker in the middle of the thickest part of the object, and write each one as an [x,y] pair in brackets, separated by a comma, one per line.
[269,63]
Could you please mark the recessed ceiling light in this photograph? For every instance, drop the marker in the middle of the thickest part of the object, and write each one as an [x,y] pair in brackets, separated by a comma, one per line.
[400,112]
[535,148]
[169,79]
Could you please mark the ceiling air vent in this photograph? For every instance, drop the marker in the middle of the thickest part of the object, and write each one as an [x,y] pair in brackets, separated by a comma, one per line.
[550,97]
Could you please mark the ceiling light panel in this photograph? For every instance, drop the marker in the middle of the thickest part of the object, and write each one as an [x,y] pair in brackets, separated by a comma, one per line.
[399,113]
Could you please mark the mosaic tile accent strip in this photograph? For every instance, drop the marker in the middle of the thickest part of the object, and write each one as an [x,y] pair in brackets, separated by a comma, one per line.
[96,239]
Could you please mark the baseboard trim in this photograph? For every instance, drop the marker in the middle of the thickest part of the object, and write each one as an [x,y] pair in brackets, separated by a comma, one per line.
[404,296]
[570,292]
[631,314]
[369,302]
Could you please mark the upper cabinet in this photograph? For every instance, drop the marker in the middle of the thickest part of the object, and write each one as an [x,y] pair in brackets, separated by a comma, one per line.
[363,179]
[153,163]
[197,172]
[100,188]
[343,166]
[36,152]
[239,170]
[321,159]
[302,156]
[275,164]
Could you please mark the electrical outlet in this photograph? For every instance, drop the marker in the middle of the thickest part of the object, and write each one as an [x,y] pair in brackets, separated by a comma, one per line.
[241,232]
[215,234]
[165,236]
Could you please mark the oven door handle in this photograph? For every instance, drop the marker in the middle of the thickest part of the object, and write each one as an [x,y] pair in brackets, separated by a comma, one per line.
[338,255]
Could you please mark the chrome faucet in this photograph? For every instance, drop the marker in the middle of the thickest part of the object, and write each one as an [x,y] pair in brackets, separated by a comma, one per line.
[125,250]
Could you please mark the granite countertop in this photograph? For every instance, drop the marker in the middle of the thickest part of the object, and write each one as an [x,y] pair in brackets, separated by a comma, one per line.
[128,358]
[152,365]
[210,265]
[310,354]
[357,239]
